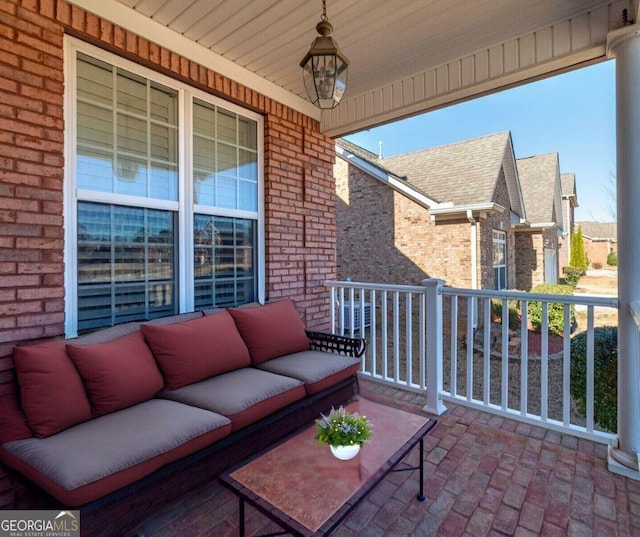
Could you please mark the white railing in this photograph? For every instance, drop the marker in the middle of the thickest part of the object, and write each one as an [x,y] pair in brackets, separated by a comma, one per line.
[390,317]
[454,344]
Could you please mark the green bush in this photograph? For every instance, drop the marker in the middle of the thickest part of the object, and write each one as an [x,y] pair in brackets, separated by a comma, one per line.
[577,255]
[514,312]
[555,311]
[612,259]
[605,359]
[573,274]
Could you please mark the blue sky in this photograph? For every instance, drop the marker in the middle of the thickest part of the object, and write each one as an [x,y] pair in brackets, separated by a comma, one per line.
[572,114]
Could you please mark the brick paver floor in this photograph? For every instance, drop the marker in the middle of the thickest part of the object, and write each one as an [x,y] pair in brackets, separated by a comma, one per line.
[485,476]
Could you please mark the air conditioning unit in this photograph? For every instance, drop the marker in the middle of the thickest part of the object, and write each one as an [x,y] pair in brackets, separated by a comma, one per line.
[357,309]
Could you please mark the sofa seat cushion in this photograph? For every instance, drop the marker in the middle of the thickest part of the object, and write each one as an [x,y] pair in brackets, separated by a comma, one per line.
[271,330]
[244,395]
[100,456]
[197,349]
[53,396]
[117,374]
[318,370]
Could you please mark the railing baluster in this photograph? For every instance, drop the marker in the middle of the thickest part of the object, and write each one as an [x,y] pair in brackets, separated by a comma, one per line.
[422,347]
[385,334]
[590,367]
[486,395]
[524,359]
[454,346]
[469,349]
[373,331]
[505,354]
[408,336]
[544,363]
[396,334]
[566,367]
[352,310]
[341,312]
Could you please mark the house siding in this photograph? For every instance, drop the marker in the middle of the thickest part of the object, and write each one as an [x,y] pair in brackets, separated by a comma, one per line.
[500,222]
[530,246]
[299,204]
[385,237]
[597,251]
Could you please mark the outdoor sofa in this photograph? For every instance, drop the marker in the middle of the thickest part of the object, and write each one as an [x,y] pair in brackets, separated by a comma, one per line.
[102,417]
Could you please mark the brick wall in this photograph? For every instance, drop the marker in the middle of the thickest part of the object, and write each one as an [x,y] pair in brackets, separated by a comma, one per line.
[530,247]
[500,222]
[597,251]
[299,191]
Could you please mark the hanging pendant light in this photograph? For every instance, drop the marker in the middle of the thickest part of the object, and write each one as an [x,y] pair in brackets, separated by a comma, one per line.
[325,67]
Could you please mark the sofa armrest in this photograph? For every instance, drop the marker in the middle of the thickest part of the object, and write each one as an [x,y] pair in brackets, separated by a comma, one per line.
[348,346]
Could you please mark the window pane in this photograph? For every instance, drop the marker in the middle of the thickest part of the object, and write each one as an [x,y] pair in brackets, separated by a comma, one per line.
[125,264]
[95,81]
[225,158]
[224,261]
[141,148]
[227,126]
[247,133]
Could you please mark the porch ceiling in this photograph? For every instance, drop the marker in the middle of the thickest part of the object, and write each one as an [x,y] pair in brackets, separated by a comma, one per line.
[406,57]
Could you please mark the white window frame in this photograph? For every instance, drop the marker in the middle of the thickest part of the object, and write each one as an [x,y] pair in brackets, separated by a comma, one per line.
[184,206]
[499,237]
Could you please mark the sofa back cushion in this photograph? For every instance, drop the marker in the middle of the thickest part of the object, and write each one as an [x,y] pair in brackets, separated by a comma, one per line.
[271,330]
[53,396]
[194,350]
[117,374]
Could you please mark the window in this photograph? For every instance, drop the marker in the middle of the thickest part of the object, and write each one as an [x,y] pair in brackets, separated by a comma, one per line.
[162,198]
[500,259]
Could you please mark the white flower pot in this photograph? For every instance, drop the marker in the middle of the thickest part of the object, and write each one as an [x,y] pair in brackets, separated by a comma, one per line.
[344,453]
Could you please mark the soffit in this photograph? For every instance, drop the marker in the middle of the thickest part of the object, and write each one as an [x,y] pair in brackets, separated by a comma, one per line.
[406,56]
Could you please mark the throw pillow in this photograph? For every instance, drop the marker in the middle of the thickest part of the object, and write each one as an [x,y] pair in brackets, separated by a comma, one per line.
[51,390]
[117,374]
[271,330]
[198,349]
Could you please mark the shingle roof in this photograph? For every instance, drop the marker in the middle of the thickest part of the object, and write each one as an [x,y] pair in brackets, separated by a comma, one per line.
[568,182]
[463,173]
[538,177]
[599,230]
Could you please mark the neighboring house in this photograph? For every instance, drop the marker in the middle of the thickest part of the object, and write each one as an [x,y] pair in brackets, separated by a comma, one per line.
[446,212]
[537,241]
[600,239]
[569,204]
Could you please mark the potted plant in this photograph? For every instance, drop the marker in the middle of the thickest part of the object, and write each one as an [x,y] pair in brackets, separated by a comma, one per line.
[344,432]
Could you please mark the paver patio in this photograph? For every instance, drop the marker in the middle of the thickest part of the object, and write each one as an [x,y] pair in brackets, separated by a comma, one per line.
[485,476]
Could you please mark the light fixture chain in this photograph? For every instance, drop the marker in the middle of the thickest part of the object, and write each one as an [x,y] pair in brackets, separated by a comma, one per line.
[324,10]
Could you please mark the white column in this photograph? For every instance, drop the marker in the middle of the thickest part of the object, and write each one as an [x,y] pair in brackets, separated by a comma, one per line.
[624,45]
[434,346]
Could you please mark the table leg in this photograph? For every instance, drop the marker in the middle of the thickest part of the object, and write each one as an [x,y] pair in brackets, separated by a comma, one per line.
[421,496]
[241,515]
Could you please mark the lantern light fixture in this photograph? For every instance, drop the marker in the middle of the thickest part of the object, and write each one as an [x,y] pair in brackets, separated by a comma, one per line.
[324,67]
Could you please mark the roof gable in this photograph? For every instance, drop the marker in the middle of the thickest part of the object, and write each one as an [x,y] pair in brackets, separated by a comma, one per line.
[540,183]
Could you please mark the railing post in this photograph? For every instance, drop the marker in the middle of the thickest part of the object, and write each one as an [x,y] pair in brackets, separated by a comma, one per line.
[433,287]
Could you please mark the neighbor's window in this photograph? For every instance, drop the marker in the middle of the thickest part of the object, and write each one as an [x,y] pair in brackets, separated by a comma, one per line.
[157,232]
[500,259]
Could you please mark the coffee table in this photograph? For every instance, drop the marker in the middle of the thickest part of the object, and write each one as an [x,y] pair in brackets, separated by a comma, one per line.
[307,491]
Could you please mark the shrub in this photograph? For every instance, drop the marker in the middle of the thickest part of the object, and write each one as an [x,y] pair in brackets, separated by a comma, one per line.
[555,311]
[514,312]
[605,359]
[577,255]
[612,259]
[573,274]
